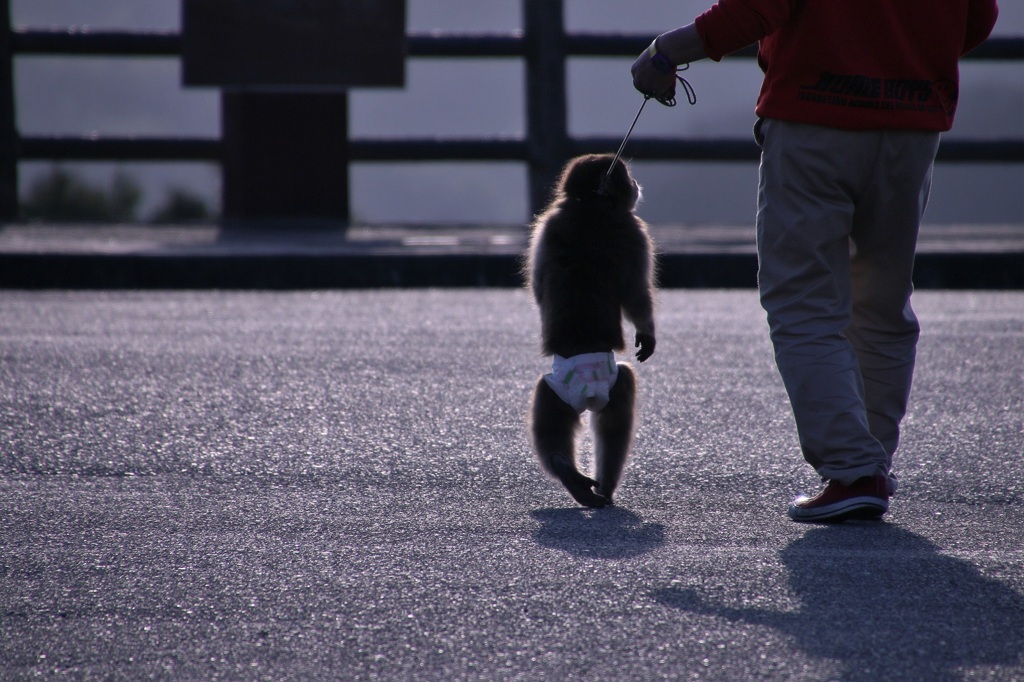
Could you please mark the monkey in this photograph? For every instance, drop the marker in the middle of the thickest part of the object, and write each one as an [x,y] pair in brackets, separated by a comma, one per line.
[590,262]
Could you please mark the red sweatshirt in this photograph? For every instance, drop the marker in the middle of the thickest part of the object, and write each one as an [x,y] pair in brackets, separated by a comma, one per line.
[854,64]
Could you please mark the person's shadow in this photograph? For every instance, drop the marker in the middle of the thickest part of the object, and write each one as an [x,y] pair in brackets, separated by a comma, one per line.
[609,533]
[886,604]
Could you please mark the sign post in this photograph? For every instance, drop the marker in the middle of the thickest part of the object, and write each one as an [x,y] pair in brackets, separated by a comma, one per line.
[284,67]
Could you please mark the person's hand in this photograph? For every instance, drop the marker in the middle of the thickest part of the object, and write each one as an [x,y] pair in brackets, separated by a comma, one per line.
[653,75]
[645,342]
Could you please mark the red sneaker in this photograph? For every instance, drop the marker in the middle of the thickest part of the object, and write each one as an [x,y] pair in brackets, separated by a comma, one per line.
[866,498]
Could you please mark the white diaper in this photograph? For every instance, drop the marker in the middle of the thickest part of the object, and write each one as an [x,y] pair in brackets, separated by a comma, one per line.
[583,381]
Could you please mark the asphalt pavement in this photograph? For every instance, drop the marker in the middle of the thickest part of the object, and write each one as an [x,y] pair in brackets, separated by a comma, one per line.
[337,485]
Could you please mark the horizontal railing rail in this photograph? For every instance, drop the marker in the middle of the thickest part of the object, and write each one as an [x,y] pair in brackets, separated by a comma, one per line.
[86,42]
[89,148]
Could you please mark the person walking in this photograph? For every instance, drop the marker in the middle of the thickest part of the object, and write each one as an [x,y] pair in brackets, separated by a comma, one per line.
[854,98]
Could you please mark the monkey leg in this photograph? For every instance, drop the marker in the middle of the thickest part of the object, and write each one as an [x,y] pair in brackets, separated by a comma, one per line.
[613,432]
[553,425]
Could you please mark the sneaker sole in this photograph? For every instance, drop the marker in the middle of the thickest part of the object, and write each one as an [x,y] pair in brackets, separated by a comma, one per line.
[861,508]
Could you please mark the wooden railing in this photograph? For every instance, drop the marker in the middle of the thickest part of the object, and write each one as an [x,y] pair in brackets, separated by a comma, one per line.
[543,44]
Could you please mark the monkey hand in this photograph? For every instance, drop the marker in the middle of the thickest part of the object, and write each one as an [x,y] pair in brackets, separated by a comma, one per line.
[645,342]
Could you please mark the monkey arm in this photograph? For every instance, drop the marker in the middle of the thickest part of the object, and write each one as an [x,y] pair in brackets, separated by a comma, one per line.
[641,314]
[638,307]
[644,339]
[537,285]
[533,269]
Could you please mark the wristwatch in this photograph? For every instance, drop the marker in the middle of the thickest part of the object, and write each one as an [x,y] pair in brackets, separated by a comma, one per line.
[660,62]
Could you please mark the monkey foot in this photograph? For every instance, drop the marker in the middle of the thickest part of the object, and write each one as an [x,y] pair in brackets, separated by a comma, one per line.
[607,496]
[581,487]
[588,498]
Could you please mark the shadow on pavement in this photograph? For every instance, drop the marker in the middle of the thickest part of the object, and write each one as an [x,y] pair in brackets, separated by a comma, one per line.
[884,602]
[610,533]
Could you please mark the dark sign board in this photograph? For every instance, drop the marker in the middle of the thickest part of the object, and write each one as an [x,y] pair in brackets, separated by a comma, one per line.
[293,43]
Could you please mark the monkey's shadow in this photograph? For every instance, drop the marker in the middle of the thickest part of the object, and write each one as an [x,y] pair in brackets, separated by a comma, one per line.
[609,533]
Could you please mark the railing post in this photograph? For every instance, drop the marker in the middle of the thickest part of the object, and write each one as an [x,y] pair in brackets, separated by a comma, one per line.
[546,125]
[285,158]
[8,126]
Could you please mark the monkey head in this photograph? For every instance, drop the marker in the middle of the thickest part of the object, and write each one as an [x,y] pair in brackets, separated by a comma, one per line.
[583,180]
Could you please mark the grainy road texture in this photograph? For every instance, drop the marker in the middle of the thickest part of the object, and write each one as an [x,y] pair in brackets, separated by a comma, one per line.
[338,485]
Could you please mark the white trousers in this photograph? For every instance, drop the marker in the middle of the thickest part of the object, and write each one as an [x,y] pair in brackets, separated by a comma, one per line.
[837,223]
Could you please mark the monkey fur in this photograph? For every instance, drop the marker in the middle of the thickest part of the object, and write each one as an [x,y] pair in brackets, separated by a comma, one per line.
[590,263]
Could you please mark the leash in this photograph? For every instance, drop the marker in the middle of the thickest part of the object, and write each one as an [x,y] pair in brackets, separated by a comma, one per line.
[618,154]
[669,100]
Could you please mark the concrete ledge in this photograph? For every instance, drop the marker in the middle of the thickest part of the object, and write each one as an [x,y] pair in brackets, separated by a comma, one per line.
[139,257]
[62,271]
[289,271]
